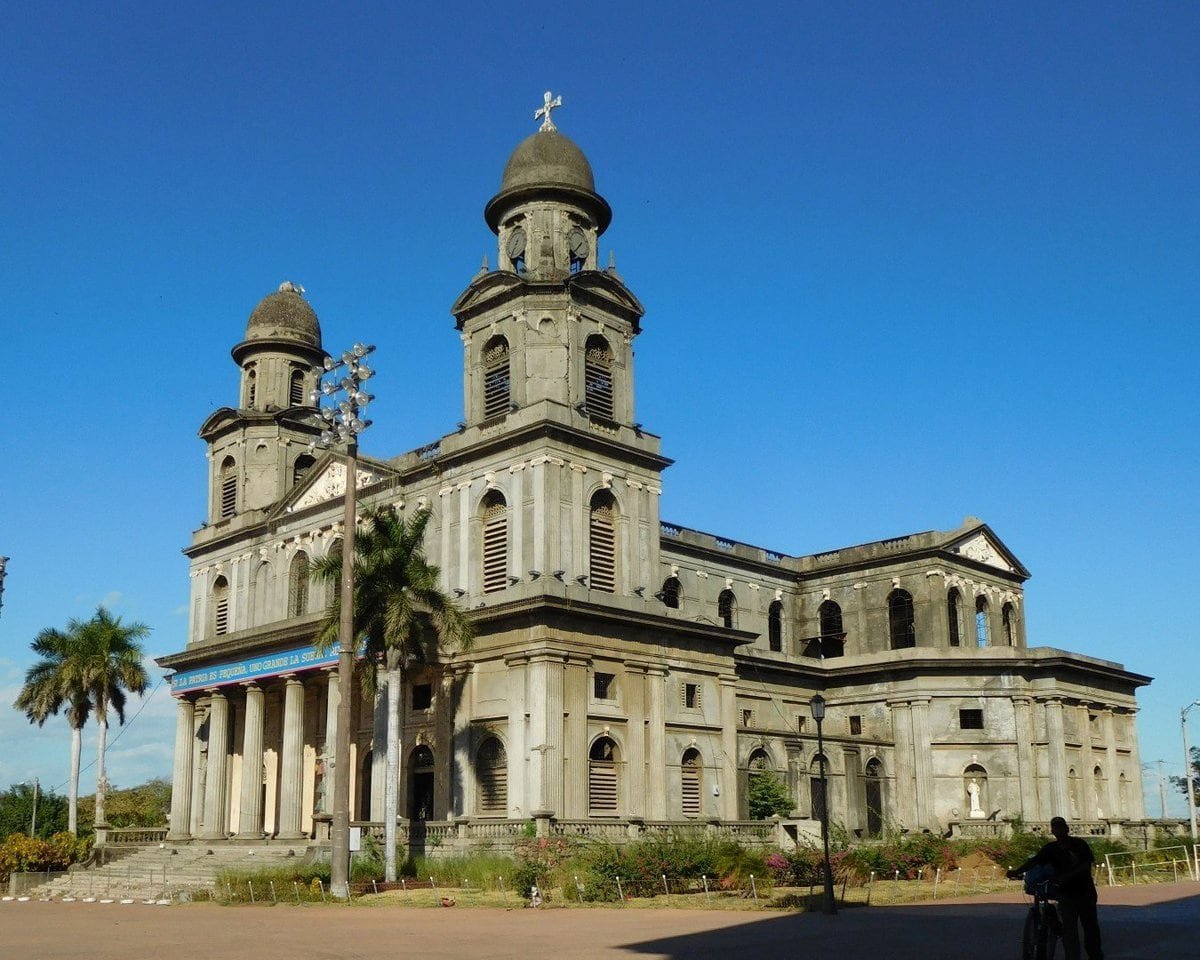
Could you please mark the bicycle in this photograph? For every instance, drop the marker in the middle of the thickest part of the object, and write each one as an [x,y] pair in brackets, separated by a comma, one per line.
[1043,927]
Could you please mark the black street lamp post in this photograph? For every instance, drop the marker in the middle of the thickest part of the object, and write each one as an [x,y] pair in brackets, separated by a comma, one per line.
[818,711]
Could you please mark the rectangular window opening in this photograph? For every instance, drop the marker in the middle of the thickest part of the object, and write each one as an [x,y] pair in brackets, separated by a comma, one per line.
[970,719]
[690,696]
[855,725]
[422,696]
[604,686]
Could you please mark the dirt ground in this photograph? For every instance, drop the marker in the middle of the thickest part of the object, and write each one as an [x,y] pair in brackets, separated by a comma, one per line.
[1139,923]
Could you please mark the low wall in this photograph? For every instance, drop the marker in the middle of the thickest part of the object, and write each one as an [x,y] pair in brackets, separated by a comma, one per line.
[20,884]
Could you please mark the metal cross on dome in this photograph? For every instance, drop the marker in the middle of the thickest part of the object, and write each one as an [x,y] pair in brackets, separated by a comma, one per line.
[544,111]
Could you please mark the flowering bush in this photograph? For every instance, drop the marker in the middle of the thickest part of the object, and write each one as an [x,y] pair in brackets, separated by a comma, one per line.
[20,853]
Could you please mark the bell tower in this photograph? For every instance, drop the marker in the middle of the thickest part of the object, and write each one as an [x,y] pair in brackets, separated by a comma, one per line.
[548,326]
[258,450]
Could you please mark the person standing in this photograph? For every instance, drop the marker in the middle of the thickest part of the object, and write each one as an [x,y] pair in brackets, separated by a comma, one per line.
[1071,860]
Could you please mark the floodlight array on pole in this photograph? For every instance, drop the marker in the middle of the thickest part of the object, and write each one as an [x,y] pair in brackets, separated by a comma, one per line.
[342,425]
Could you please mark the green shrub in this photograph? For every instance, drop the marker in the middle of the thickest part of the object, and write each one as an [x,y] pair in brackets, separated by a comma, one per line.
[20,853]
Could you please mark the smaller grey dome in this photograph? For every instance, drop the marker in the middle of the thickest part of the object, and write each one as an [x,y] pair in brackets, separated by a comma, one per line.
[285,315]
[547,159]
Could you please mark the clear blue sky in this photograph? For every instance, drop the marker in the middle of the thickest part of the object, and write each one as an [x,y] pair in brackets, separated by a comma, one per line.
[901,264]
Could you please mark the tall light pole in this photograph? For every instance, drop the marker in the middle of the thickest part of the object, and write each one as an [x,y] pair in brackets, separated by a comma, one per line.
[1187,769]
[33,819]
[817,705]
[344,426]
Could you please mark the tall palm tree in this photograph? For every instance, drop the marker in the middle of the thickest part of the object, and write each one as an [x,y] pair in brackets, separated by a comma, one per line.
[45,693]
[402,615]
[107,663]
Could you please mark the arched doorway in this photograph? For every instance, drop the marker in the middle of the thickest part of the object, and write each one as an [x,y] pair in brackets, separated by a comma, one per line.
[420,773]
[364,786]
[873,792]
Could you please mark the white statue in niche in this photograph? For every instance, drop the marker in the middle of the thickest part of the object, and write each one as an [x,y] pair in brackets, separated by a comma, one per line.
[973,793]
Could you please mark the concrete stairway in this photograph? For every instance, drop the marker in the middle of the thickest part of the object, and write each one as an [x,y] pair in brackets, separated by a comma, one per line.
[166,872]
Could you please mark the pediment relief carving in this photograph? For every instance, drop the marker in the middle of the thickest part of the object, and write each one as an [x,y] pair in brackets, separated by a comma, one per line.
[332,483]
[981,549]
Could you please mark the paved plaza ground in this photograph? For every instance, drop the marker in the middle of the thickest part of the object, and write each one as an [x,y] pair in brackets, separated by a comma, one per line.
[1140,923]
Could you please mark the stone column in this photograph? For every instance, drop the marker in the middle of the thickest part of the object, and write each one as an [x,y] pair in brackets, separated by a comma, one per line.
[538,466]
[577,693]
[517,544]
[519,791]
[730,781]
[656,731]
[579,509]
[199,764]
[633,700]
[181,775]
[462,792]
[444,560]
[462,563]
[923,766]
[1137,798]
[546,733]
[1111,803]
[1056,743]
[250,803]
[1026,768]
[291,779]
[215,827]
[1088,801]
[906,796]
[379,741]
[332,699]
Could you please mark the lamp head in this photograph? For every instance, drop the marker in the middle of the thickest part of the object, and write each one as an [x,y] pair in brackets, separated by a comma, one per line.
[817,703]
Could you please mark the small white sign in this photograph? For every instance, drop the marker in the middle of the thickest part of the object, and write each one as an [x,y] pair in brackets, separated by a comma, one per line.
[355,839]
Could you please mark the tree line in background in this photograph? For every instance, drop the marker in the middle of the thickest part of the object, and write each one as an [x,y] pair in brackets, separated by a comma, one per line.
[84,671]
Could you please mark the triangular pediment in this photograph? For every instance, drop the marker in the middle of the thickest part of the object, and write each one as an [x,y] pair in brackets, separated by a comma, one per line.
[483,288]
[327,481]
[983,546]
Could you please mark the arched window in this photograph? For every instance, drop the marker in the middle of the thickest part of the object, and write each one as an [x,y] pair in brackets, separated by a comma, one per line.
[1098,791]
[251,384]
[491,773]
[296,389]
[901,620]
[775,625]
[495,542]
[873,784]
[333,587]
[301,466]
[262,594]
[833,636]
[298,586]
[725,607]
[981,621]
[1008,615]
[602,543]
[229,488]
[497,379]
[603,780]
[758,765]
[220,596]
[691,780]
[1123,795]
[598,379]
[670,593]
[1073,792]
[954,616]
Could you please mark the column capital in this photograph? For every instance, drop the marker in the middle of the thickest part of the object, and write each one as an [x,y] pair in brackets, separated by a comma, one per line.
[214,692]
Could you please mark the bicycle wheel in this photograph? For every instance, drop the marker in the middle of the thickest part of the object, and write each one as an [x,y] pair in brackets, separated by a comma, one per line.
[1029,938]
[1050,930]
